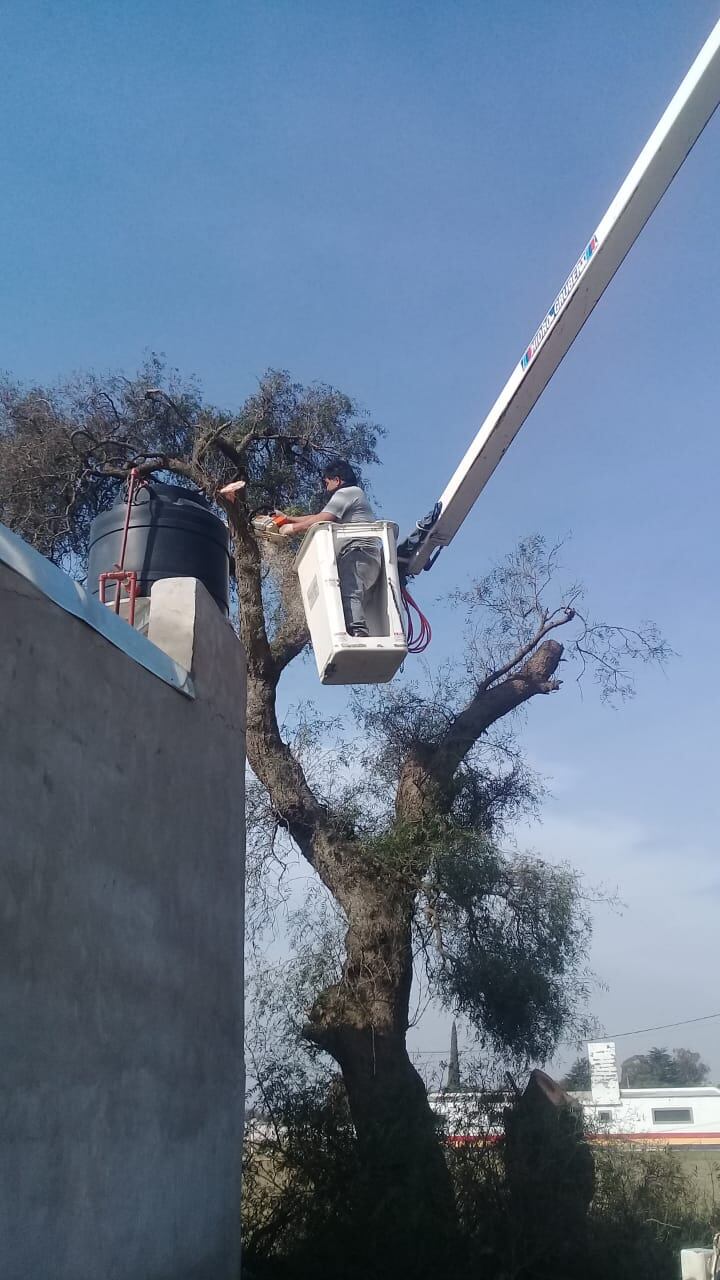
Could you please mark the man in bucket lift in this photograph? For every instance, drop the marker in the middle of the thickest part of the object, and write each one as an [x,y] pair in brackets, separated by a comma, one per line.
[359,561]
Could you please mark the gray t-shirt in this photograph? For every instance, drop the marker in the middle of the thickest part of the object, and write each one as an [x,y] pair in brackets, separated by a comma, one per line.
[349,505]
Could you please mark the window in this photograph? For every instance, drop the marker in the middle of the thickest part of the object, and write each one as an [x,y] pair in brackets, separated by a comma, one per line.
[672,1115]
[604,1116]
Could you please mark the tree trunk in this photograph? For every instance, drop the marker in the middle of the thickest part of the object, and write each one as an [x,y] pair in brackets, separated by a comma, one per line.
[405,1204]
[406,1201]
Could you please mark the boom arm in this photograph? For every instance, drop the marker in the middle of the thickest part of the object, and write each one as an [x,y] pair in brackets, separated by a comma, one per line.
[648,180]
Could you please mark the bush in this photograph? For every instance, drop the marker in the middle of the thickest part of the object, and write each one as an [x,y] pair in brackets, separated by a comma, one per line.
[649,1204]
[308,1214]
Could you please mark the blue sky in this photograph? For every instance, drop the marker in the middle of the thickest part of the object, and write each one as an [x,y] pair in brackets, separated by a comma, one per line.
[388,196]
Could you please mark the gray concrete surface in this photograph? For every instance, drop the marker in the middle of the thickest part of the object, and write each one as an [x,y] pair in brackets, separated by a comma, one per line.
[121,904]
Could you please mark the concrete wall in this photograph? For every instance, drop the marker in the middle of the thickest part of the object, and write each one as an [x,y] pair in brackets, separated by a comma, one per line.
[121,904]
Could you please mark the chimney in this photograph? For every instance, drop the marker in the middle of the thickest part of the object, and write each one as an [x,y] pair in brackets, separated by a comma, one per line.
[604,1085]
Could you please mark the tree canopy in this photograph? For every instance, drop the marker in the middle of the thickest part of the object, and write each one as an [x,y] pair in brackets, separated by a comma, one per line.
[577,1079]
[674,1068]
[403,813]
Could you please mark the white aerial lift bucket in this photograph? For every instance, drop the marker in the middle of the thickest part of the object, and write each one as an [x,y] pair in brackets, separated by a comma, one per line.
[341,658]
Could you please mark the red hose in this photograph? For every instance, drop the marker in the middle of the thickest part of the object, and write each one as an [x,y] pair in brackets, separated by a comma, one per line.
[134,482]
[417,630]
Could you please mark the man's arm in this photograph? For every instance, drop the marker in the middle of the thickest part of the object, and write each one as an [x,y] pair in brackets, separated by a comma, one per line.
[299,524]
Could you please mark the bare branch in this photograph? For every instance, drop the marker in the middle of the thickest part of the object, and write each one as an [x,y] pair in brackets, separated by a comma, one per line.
[425,782]
[549,622]
[205,442]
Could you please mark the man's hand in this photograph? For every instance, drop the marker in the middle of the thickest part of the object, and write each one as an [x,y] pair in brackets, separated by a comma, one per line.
[284,523]
[275,526]
[301,524]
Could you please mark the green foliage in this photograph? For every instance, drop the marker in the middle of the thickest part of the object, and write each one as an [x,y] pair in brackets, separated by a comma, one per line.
[58,444]
[294,430]
[681,1067]
[300,1168]
[310,1207]
[578,1077]
[503,937]
[659,1067]
[303,1185]
[402,849]
[512,934]
[54,442]
[648,1206]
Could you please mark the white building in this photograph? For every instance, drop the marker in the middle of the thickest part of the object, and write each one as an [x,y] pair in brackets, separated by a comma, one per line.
[676,1117]
[685,1117]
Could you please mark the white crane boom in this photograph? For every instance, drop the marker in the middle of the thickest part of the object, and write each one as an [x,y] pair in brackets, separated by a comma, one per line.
[648,180]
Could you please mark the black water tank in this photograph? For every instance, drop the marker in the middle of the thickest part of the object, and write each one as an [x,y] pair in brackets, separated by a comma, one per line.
[172,534]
